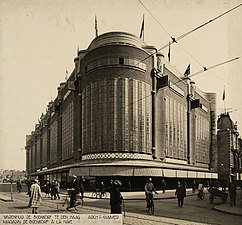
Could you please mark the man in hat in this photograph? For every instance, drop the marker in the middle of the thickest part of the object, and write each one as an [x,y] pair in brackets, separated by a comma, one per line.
[180,193]
[75,189]
[149,189]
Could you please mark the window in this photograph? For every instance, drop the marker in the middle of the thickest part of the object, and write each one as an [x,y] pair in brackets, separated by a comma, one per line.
[121,61]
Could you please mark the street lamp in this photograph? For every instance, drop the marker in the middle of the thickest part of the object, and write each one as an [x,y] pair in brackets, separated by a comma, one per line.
[11,187]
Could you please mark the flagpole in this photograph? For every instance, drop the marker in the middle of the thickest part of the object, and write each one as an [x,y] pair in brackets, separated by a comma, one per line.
[225,107]
[66,76]
[96,28]
[169,52]
[223,98]
[143,27]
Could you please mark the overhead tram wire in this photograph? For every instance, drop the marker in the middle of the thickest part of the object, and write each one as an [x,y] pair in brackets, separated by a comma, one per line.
[182,79]
[204,24]
[194,57]
[205,69]
[198,27]
[174,40]
[190,55]
[234,87]
[211,67]
[154,17]
[184,35]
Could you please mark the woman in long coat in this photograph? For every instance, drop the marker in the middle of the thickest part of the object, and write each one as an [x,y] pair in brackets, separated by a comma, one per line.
[35,199]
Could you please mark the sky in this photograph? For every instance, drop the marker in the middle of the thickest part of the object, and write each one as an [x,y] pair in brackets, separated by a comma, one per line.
[39,41]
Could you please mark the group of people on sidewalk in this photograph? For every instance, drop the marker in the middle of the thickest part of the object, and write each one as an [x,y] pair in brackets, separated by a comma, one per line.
[35,193]
[116,199]
[52,189]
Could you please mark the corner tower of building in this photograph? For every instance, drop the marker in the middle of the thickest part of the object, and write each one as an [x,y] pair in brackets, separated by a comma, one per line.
[116,98]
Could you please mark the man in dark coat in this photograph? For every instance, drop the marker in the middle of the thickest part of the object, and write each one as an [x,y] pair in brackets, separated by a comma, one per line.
[232,194]
[82,187]
[19,186]
[180,193]
[116,198]
[53,190]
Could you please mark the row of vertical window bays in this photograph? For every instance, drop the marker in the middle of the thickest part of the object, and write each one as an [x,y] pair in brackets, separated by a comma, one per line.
[112,92]
[173,132]
[175,135]
[114,102]
[41,157]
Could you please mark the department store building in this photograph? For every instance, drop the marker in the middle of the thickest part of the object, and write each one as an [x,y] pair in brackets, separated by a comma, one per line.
[125,112]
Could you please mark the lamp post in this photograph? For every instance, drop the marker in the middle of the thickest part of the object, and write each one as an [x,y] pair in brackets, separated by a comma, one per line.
[11,187]
[188,80]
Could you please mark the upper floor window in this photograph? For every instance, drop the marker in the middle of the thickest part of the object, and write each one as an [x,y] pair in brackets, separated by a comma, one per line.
[115,61]
[121,61]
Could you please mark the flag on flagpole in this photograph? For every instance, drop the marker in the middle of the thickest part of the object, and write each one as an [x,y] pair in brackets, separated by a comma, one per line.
[223,97]
[78,50]
[187,72]
[169,52]
[96,28]
[142,28]
[66,76]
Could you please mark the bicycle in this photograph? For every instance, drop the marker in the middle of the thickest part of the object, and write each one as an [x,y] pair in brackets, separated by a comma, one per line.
[200,195]
[99,194]
[150,203]
[66,204]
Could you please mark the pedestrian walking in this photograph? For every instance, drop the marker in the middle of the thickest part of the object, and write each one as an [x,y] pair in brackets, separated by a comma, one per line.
[116,198]
[19,186]
[232,194]
[82,187]
[129,185]
[29,184]
[102,189]
[163,185]
[47,188]
[180,193]
[194,185]
[35,198]
[57,189]
[53,190]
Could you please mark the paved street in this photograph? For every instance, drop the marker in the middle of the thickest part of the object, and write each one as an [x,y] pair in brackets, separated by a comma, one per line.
[166,210]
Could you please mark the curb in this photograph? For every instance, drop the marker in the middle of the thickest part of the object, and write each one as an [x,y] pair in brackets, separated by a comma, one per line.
[228,212]
[6,200]
[141,199]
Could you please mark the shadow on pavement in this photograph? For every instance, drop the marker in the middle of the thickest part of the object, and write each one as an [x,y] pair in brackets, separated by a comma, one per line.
[21,207]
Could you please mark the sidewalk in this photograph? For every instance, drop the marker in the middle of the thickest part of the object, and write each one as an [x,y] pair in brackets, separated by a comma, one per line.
[226,208]
[169,194]
[6,197]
